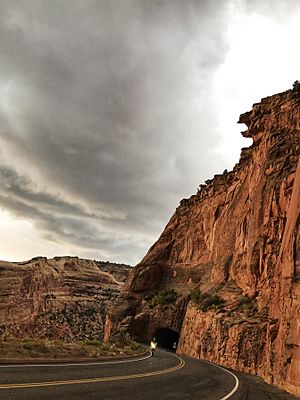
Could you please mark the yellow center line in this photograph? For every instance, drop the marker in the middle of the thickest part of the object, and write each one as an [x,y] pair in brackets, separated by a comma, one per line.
[92,380]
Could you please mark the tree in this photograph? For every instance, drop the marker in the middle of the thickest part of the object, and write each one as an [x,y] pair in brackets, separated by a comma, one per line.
[296,86]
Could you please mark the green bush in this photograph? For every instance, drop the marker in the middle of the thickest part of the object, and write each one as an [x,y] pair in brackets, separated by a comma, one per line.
[93,342]
[166,296]
[38,346]
[196,295]
[246,304]
[206,301]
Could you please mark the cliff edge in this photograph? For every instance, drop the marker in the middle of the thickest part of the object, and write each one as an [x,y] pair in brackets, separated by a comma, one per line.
[225,273]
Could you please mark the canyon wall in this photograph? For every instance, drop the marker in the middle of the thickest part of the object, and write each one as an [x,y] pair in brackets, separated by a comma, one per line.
[232,255]
[63,297]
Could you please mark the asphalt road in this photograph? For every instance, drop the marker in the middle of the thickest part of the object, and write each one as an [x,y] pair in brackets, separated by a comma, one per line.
[164,376]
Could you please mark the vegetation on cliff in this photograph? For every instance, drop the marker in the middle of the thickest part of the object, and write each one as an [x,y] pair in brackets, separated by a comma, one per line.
[166,296]
[206,301]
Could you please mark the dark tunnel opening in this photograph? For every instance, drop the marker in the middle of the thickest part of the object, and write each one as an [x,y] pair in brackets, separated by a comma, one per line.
[167,338]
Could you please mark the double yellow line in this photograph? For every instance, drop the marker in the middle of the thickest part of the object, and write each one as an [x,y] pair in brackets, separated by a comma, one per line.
[92,380]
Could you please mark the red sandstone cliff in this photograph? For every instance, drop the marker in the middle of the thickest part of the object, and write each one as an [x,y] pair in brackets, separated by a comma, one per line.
[238,241]
[63,297]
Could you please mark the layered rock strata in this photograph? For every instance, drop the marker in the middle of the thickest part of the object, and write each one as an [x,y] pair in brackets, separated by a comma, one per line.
[236,242]
[63,297]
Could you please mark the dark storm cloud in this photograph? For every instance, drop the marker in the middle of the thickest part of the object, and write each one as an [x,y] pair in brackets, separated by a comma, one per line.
[22,188]
[58,220]
[109,101]
[61,228]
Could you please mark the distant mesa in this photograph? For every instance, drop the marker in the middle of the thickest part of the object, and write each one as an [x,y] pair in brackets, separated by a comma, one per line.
[62,297]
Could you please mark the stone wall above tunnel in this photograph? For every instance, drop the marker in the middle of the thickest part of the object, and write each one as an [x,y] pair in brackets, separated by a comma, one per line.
[147,321]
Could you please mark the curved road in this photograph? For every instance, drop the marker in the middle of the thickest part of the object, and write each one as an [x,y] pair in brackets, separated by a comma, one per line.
[164,376]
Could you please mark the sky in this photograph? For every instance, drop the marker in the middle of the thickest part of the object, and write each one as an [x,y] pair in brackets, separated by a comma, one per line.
[112,111]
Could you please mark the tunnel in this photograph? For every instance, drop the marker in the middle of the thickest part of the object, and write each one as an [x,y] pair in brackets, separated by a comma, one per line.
[166,338]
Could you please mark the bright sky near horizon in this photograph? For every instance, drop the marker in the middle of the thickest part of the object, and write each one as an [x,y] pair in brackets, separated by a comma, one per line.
[112,111]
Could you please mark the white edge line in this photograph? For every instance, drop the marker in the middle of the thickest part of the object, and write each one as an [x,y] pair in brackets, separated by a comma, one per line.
[76,364]
[227,396]
[236,386]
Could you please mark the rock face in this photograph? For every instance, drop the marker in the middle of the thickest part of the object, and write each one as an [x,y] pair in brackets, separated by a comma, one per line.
[63,297]
[236,246]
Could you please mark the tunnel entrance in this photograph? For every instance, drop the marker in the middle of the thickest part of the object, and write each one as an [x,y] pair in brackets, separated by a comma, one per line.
[166,338]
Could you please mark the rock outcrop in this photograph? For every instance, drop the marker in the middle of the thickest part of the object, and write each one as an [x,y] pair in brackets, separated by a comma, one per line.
[232,254]
[63,297]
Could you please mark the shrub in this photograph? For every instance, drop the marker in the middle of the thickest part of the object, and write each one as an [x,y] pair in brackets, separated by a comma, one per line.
[206,301]
[211,302]
[196,295]
[166,296]
[38,346]
[246,304]
[92,342]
